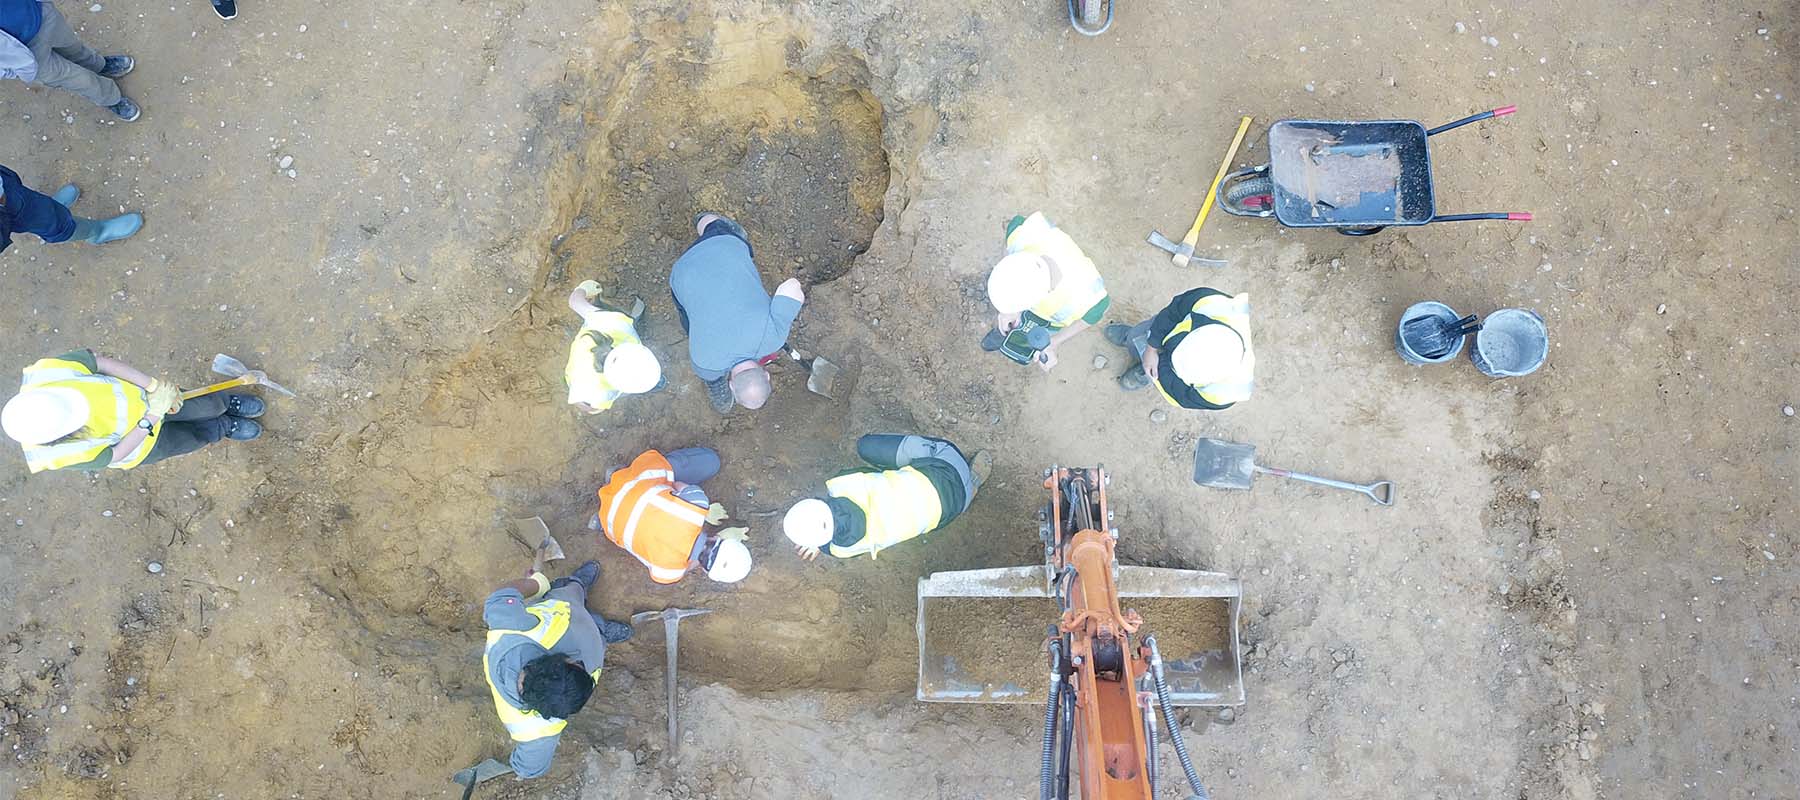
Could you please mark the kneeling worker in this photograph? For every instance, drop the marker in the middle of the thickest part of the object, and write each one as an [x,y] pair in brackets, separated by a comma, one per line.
[1044,287]
[656,511]
[607,359]
[543,657]
[918,484]
[1196,350]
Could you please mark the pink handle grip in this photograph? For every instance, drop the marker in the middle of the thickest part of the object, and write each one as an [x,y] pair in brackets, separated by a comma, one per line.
[1503,111]
[1519,216]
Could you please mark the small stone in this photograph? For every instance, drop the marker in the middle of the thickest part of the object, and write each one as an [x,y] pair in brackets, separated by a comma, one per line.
[96,8]
[132,681]
[285,162]
[1661,307]
[1492,42]
[1099,362]
[19,522]
[223,307]
[292,173]
[1309,87]
[1535,494]
[230,524]
[1461,28]
[1343,670]
[1159,416]
[154,567]
[106,513]
[1787,411]
[62,709]
[1762,31]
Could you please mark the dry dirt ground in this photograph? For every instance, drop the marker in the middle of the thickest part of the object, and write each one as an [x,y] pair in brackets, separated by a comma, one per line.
[1586,590]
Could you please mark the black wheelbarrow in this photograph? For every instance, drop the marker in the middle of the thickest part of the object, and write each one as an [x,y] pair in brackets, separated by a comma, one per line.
[1357,177]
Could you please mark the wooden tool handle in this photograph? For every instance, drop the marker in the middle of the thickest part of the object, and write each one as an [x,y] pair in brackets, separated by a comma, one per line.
[241,380]
[1193,234]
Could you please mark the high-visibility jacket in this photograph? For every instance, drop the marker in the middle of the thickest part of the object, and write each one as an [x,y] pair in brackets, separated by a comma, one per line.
[1080,287]
[114,408]
[522,724]
[640,512]
[585,373]
[897,505]
[1215,309]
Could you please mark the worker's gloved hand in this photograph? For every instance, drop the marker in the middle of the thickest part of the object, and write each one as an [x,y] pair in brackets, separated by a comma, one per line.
[589,288]
[163,397]
[715,514]
[734,534]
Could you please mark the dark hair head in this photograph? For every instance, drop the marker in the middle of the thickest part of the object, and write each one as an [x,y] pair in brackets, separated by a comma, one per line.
[555,686]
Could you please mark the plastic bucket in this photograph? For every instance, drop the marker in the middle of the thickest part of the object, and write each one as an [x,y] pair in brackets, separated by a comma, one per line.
[1428,308]
[1511,342]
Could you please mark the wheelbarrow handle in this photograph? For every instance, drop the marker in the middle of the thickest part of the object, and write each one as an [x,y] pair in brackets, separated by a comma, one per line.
[1382,492]
[1515,216]
[1450,126]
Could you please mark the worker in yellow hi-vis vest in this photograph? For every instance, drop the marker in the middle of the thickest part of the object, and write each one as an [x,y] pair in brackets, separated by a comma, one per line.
[1045,291]
[916,484]
[607,360]
[543,658]
[85,411]
[1196,350]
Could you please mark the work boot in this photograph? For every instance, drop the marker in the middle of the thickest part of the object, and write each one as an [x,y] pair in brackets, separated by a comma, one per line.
[240,429]
[614,632]
[127,110]
[244,406]
[67,195]
[719,394]
[226,9]
[1134,379]
[992,341]
[594,522]
[980,466]
[102,231]
[1118,334]
[117,66]
[587,574]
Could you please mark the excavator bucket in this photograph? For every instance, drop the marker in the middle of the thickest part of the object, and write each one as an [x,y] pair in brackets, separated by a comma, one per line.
[982,633]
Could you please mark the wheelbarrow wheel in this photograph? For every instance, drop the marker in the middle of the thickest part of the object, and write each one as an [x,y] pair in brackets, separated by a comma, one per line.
[1249,197]
[1092,12]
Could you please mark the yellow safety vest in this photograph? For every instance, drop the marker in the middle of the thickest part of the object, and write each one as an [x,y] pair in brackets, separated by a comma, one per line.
[584,373]
[1232,311]
[897,505]
[1080,287]
[114,408]
[553,622]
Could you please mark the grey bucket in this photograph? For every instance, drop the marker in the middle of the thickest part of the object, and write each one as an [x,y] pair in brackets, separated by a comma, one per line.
[1511,342]
[1429,308]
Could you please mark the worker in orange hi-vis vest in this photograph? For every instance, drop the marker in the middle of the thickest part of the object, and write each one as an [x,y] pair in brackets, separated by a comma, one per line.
[658,513]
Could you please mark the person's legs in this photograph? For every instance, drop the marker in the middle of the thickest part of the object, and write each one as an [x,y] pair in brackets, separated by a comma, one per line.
[179,438]
[888,450]
[680,312]
[1137,340]
[204,407]
[57,35]
[65,62]
[694,464]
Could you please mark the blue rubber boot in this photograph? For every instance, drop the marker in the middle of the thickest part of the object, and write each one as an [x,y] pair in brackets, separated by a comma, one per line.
[67,195]
[107,230]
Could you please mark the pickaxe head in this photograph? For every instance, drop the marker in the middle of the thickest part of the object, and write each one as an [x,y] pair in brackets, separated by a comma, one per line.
[667,614]
[233,368]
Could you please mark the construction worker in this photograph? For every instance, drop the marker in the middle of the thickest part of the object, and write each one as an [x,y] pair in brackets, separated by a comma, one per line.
[25,210]
[1197,350]
[86,411]
[734,327]
[657,512]
[918,484]
[607,360]
[543,657]
[1045,290]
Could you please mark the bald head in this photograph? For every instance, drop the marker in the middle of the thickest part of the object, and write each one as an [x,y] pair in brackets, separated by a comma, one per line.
[750,385]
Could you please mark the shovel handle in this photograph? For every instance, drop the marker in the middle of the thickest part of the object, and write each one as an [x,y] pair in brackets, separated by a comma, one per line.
[241,380]
[1382,492]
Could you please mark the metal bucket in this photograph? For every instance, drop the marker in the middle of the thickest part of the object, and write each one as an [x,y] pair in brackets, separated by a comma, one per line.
[982,633]
[1511,342]
[1429,308]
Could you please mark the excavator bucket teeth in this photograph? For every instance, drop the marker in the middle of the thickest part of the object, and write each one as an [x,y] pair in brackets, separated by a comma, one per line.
[982,633]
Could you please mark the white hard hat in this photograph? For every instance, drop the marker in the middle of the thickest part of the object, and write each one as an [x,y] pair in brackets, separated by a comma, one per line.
[808,523]
[731,562]
[1207,354]
[1018,282]
[632,368]
[41,416]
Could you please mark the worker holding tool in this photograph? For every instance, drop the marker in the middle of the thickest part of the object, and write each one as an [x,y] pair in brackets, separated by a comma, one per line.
[85,411]
[607,360]
[734,327]
[658,513]
[1045,290]
[543,657]
[1196,350]
[916,485]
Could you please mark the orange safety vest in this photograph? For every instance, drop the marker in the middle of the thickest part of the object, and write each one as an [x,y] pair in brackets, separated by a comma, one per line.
[640,512]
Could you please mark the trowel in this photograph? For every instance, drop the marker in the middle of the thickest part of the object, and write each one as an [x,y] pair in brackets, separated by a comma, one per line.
[821,374]
[481,773]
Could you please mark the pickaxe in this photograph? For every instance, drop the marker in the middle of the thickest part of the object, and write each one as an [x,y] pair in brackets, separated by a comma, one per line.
[240,376]
[671,617]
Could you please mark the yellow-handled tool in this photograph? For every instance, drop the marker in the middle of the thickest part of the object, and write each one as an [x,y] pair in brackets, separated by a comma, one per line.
[1183,253]
[240,376]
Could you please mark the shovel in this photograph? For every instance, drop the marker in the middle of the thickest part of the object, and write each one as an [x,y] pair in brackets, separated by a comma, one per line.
[481,773]
[1229,465]
[820,373]
[240,376]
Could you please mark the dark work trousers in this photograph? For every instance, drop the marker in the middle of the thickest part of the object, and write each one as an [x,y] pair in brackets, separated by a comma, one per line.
[200,422]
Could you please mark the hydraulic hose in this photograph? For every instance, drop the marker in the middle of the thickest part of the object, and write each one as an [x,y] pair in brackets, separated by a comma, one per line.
[1052,709]
[1068,740]
[1168,712]
[1150,746]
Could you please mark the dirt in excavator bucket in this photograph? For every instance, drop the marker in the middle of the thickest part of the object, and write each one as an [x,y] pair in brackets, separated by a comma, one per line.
[982,633]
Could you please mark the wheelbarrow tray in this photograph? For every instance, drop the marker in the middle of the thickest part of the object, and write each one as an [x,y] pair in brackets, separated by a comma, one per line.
[1336,174]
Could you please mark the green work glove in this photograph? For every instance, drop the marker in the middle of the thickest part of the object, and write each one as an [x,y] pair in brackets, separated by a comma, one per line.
[162,397]
[734,534]
[715,514]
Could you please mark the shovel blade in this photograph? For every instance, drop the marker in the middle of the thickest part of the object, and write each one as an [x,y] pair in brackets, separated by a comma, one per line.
[228,366]
[822,378]
[483,772]
[1224,465]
